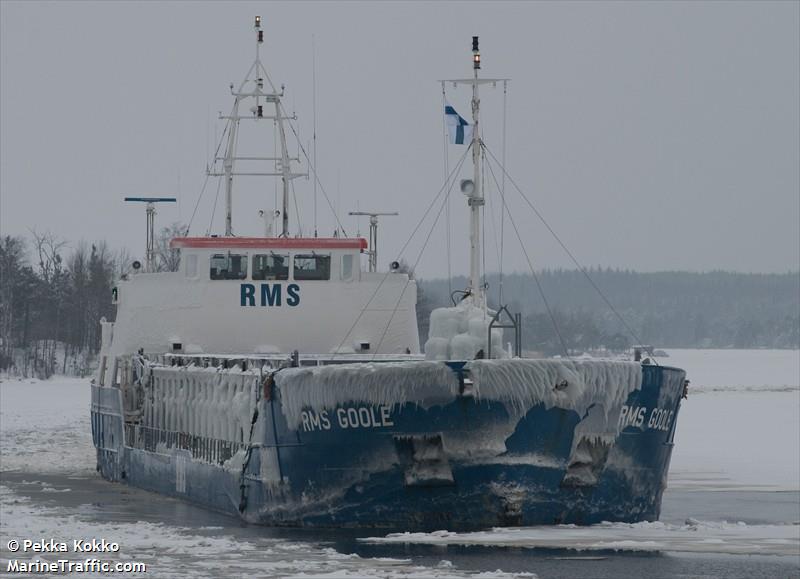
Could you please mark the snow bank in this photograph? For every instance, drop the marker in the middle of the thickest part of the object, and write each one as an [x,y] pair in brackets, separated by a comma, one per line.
[460,332]
[522,384]
[389,383]
[693,536]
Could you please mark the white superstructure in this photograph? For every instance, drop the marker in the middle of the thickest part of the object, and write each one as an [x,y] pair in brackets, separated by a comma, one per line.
[267,296]
[246,296]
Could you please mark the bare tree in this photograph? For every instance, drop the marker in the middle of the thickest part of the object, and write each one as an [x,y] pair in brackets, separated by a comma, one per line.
[12,256]
[48,249]
[169,259]
[122,262]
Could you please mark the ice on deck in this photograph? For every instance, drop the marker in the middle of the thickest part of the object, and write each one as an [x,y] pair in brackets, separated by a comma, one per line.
[579,385]
[460,332]
[388,383]
[519,384]
[210,402]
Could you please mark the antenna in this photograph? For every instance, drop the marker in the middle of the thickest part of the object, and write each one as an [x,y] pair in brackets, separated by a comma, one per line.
[256,76]
[373,235]
[150,212]
[314,122]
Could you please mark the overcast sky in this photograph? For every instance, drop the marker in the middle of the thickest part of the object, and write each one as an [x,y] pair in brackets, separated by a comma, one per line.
[652,136]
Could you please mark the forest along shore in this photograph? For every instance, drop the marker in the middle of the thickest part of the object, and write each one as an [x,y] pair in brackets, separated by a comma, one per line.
[53,294]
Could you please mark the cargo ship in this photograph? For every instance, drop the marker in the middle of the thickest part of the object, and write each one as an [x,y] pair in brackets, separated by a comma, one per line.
[281,379]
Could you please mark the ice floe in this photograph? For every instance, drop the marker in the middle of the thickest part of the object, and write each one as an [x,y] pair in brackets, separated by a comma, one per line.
[693,536]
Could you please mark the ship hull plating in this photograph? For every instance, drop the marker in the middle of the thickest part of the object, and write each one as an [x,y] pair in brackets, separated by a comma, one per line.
[466,464]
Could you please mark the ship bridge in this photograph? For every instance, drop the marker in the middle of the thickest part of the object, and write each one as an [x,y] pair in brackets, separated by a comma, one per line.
[271,258]
[267,295]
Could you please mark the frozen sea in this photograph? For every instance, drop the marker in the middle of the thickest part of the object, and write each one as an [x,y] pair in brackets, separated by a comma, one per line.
[732,508]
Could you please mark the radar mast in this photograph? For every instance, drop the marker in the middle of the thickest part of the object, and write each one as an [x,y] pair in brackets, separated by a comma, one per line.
[252,87]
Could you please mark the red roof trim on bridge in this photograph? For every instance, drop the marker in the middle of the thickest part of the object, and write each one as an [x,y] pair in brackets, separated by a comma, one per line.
[269,243]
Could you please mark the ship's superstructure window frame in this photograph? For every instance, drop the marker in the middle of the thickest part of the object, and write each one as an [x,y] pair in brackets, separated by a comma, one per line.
[312,266]
[233,266]
[348,261]
[271,266]
[191,265]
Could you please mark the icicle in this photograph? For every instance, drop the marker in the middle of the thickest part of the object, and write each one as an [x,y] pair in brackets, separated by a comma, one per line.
[326,387]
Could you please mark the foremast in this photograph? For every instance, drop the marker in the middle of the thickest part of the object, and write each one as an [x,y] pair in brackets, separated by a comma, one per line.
[282,161]
[476,200]
[473,188]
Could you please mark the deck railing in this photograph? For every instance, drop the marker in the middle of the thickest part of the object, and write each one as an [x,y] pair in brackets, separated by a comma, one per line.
[211,450]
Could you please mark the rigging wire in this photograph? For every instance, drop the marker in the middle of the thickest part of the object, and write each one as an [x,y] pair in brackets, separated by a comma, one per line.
[494,226]
[483,216]
[312,165]
[449,180]
[535,277]
[297,211]
[205,182]
[316,176]
[570,254]
[196,205]
[447,209]
[503,209]
[412,268]
[275,181]
[314,116]
[233,154]
[227,128]
[214,209]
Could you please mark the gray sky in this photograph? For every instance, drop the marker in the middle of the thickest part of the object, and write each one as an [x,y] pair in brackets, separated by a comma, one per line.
[652,136]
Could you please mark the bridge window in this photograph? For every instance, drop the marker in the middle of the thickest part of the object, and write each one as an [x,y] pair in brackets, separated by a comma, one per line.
[312,266]
[272,266]
[228,266]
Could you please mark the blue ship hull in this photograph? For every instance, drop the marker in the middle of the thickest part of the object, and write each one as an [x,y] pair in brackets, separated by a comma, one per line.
[366,466]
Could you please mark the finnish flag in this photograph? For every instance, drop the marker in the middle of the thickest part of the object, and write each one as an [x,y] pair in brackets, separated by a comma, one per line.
[460,131]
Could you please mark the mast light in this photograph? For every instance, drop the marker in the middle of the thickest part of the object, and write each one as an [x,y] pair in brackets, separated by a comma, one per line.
[258,21]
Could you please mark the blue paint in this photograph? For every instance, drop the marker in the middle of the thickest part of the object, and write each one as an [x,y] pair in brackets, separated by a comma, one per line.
[360,477]
[270,294]
[247,295]
[293,295]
